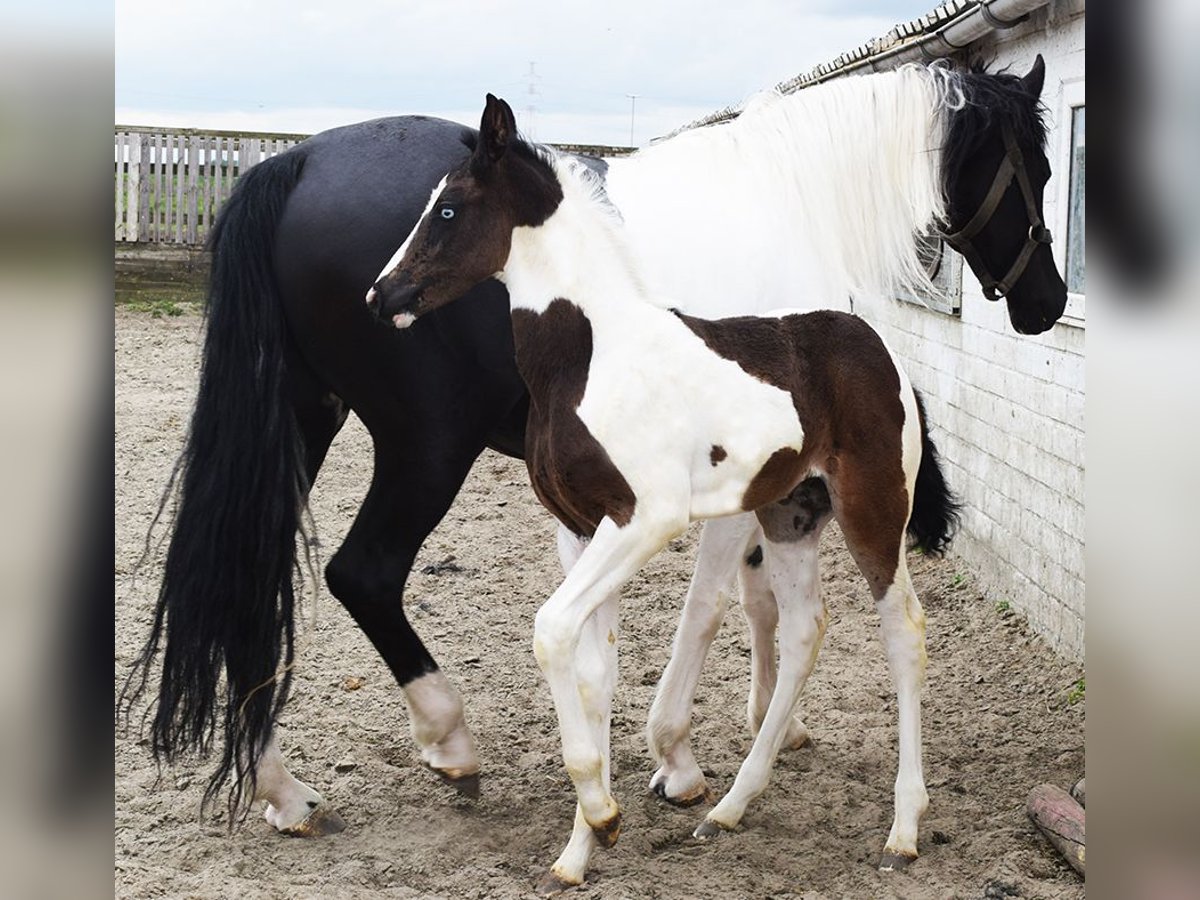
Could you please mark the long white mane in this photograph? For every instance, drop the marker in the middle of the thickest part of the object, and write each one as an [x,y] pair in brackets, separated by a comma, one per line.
[821,191]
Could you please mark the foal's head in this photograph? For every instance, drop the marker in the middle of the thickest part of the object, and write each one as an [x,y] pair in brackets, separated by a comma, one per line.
[994,172]
[465,235]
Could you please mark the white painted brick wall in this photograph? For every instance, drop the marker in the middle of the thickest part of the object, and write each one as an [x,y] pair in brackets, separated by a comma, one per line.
[1007,410]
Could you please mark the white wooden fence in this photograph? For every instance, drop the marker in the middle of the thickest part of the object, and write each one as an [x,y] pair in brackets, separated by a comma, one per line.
[170,182]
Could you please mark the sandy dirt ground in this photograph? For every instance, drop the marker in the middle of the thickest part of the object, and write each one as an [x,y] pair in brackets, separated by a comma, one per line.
[997,717]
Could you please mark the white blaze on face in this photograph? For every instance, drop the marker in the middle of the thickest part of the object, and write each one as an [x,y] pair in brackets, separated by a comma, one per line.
[398,256]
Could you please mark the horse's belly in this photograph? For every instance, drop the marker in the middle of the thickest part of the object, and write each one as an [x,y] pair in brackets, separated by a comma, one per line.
[688,428]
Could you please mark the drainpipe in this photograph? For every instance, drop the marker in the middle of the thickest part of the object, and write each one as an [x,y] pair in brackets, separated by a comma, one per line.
[950,38]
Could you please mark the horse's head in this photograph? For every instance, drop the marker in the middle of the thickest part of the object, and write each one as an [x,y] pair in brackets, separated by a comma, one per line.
[995,170]
[465,233]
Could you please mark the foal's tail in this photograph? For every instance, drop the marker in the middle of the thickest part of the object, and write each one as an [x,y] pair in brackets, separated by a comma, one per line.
[227,598]
[936,513]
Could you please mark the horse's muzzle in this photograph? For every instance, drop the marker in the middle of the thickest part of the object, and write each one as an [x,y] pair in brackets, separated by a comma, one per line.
[395,299]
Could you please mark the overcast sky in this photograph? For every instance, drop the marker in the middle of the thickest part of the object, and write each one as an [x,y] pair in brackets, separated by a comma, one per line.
[303,66]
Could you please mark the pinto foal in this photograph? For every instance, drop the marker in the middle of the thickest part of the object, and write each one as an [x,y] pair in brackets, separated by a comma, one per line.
[643,419]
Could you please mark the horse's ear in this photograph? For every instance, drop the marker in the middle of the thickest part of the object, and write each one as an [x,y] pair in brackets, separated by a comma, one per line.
[1036,79]
[496,129]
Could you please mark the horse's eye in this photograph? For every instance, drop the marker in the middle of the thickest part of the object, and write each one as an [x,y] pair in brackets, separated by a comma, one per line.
[447,212]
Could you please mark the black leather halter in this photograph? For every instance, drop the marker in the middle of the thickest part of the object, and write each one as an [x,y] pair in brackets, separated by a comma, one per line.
[1012,166]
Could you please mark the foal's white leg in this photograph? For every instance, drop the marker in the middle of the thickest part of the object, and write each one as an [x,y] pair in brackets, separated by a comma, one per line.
[293,808]
[762,617]
[440,730]
[723,542]
[795,582]
[594,650]
[611,558]
[597,658]
[902,625]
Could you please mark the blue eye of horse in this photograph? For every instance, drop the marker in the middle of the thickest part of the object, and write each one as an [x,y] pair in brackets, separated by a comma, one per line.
[447,212]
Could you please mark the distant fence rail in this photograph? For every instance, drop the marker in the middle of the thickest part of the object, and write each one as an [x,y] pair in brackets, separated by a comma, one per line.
[171,182]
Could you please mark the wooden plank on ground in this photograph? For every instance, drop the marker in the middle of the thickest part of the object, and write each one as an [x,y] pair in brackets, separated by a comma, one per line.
[1061,819]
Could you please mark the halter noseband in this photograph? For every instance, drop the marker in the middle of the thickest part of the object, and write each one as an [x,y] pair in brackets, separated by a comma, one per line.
[1013,165]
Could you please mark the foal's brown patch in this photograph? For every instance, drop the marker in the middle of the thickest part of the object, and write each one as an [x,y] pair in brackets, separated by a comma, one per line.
[571,472]
[774,480]
[716,454]
[846,391]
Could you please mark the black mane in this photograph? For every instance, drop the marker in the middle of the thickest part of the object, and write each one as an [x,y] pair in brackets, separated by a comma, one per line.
[990,96]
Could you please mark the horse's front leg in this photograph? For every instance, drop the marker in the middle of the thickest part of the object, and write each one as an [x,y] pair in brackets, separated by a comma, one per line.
[723,543]
[614,554]
[597,658]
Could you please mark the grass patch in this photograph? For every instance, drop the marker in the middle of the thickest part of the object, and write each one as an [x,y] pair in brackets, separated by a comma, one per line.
[1076,693]
[159,307]
[1003,606]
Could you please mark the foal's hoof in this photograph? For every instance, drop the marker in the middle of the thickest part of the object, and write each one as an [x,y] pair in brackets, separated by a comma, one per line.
[322,821]
[695,797]
[708,829]
[894,861]
[797,737]
[551,884]
[608,831]
[466,784]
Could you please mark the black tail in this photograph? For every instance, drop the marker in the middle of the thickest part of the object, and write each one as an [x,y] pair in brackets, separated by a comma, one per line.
[227,596]
[935,515]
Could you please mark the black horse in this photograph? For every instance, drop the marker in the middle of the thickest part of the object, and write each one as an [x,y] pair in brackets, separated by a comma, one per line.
[291,347]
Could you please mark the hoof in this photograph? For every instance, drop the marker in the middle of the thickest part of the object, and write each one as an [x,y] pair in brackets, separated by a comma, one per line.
[708,829]
[322,821]
[700,795]
[894,861]
[800,742]
[467,785]
[608,832]
[550,884]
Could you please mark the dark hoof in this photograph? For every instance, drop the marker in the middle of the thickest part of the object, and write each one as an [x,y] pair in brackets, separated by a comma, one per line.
[322,821]
[704,795]
[467,785]
[550,884]
[708,829]
[608,832]
[895,862]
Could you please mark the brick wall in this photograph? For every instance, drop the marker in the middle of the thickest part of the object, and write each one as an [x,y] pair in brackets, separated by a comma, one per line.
[1008,410]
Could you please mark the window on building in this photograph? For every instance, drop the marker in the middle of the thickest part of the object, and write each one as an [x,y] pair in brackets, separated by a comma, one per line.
[1075,217]
[945,271]
[1070,172]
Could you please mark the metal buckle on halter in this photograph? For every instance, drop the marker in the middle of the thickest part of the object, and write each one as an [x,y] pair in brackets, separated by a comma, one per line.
[1040,234]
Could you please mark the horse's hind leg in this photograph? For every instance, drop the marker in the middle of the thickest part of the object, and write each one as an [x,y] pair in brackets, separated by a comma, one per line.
[406,500]
[762,618]
[293,807]
[679,779]
[792,537]
[875,536]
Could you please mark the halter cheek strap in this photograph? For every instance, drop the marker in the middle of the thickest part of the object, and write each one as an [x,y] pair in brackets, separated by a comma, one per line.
[1012,166]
